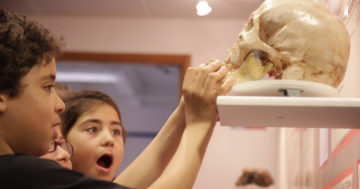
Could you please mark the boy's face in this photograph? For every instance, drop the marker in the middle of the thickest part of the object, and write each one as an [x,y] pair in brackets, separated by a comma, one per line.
[98,142]
[29,119]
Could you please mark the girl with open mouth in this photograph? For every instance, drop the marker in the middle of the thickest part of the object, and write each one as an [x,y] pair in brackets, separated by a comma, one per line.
[93,126]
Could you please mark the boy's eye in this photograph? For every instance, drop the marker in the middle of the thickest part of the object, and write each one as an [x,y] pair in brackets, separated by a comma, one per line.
[92,130]
[48,87]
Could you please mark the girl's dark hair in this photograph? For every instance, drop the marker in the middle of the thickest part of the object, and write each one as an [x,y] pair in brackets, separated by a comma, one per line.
[80,102]
[23,45]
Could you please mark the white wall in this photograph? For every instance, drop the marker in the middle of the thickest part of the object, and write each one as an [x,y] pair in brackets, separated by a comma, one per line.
[233,149]
[200,38]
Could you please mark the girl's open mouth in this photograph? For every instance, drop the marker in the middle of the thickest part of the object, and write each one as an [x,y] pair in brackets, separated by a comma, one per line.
[105,162]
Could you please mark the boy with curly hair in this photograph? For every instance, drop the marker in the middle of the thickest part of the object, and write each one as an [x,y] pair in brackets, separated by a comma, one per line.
[30,108]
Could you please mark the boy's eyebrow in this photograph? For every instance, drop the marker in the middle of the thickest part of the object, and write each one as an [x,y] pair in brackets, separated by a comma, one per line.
[51,77]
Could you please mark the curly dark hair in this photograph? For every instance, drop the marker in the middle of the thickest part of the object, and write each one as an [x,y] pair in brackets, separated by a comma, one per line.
[80,102]
[23,45]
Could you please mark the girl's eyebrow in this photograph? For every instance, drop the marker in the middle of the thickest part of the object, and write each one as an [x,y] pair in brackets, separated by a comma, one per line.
[92,120]
[116,123]
[99,122]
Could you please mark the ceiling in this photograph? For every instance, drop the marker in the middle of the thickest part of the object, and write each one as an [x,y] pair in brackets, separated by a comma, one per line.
[185,9]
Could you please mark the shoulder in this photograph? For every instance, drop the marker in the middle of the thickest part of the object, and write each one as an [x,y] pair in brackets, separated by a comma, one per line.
[23,166]
[24,162]
[22,170]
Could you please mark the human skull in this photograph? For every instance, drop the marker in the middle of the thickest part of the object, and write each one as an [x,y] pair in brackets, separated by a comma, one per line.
[299,40]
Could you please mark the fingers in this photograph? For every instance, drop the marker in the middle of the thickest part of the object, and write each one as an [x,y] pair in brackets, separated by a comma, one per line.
[204,71]
[214,82]
[189,78]
[227,85]
[201,87]
[218,75]
[207,78]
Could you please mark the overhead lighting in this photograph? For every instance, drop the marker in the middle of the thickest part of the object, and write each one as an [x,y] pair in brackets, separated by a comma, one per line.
[203,8]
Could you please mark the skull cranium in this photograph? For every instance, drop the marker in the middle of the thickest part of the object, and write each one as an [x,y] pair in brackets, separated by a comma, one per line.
[299,38]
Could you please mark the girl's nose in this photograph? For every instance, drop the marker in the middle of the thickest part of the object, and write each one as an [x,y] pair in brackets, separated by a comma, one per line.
[107,139]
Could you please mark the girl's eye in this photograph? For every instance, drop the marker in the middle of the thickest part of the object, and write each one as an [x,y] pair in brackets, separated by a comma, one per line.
[116,132]
[92,130]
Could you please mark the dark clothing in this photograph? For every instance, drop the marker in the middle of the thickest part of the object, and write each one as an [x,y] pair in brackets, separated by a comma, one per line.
[26,171]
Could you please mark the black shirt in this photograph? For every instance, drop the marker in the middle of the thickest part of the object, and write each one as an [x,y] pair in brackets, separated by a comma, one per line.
[26,171]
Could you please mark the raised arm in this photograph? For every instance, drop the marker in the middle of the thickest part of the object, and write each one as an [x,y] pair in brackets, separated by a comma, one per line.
[201,87]
[149,165]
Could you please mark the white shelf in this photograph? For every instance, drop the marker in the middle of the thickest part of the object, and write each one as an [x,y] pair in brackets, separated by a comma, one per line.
[303,112]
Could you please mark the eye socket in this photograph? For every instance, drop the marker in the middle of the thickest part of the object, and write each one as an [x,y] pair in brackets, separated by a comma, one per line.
[249,25]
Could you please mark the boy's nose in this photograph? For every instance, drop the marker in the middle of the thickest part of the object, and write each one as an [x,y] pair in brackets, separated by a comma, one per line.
[59,105]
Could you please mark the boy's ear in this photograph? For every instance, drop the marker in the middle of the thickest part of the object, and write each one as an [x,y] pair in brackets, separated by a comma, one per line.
[3,99]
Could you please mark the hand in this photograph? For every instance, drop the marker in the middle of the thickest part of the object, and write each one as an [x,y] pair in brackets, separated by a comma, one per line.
[201,86]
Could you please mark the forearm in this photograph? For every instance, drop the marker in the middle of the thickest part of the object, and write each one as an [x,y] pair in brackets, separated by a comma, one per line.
[184,167]
[149,165]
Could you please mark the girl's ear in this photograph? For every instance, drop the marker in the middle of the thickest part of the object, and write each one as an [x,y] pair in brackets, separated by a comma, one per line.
[3,99]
